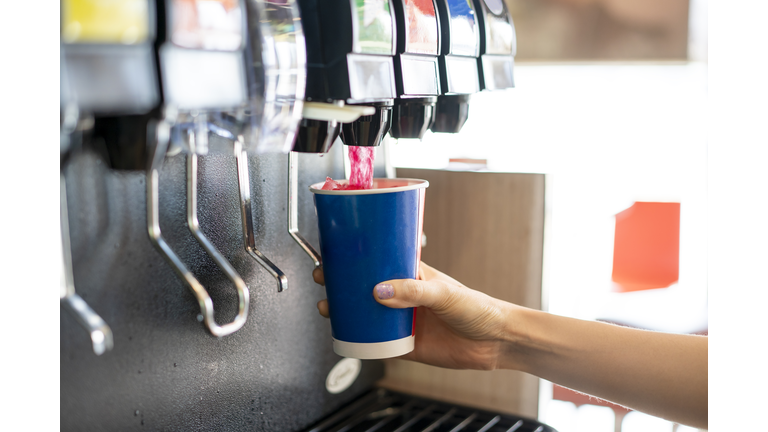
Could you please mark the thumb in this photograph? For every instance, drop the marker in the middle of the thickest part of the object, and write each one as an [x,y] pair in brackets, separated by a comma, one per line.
[405,293]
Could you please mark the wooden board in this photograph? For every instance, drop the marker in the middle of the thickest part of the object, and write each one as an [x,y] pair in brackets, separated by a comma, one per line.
[485,230]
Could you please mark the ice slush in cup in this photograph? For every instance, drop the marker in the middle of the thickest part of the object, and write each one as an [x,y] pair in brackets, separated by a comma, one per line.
[369,236]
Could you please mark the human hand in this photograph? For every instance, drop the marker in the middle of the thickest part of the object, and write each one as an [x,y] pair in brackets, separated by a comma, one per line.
[456,327]
[661,374]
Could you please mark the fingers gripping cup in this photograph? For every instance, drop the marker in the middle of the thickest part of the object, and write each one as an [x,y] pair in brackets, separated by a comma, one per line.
[367,237]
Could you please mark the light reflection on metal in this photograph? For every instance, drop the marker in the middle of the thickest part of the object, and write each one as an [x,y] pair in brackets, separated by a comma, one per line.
[243,182]
[500,34]
[293,212]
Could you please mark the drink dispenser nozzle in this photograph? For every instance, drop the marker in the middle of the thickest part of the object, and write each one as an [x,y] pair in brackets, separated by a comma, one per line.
[277,71]
[108,72]
[478,49]
[277,79]
[322,122]
[498,45]
[350,84]
[459,77]
[417,73]
[109,63]
[205,79]
[350,49]
[320,113]
[273,69]
[451,112]
[369,130]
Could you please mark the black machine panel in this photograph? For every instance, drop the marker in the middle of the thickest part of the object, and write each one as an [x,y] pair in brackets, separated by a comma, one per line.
[166,372]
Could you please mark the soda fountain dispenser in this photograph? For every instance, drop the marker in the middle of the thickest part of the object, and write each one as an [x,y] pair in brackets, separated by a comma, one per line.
[357,42]
[275,67]
[70,138]
[276,70]
[498,45]
[350,84]
[416,67]
[201,55]
[154,79]
[109,89]
[478,47]
[110,65]
[237,70]
[205,85]
[459,75]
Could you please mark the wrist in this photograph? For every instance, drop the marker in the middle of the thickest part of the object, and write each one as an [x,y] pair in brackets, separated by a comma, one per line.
[517,338]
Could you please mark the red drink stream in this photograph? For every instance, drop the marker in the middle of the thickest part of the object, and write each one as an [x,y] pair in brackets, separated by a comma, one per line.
[361,163]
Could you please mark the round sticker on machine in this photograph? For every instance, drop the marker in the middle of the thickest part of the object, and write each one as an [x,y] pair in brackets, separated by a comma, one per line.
[343,375]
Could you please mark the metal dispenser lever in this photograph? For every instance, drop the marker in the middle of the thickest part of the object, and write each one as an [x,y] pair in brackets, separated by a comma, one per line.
[324,112]
[243,182]
[162,139]
[293,213]
[194,228]
[101,334]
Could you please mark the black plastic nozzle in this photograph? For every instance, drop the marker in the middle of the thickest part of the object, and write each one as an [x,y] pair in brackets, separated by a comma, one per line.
[451,112]
[316,136]
[368,130]
[412,117]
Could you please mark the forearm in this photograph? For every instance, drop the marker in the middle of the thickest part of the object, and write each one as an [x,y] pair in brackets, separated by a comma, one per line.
[657,373]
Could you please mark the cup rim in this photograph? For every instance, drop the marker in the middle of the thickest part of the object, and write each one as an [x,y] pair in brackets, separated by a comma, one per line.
[413,184]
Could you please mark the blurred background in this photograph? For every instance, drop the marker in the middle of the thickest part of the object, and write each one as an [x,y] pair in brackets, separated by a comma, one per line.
[610,103]
[595,30]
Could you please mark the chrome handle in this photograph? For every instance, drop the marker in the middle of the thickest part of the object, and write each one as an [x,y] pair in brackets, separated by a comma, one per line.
[293,213]
[162,139]
[101,334]
[221,261]
[244,185]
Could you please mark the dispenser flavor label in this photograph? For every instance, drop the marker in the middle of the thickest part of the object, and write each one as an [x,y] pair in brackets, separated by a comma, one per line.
[207,24]
[422,27]
[463,26]
[373,33]
[109,22]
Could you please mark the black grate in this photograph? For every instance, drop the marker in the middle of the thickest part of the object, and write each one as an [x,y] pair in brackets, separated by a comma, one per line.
[386,411]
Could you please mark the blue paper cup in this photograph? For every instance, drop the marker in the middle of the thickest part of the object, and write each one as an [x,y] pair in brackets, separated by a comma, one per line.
[366,237]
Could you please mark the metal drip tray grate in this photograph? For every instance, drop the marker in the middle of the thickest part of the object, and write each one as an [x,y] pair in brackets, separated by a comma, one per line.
[386,411]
